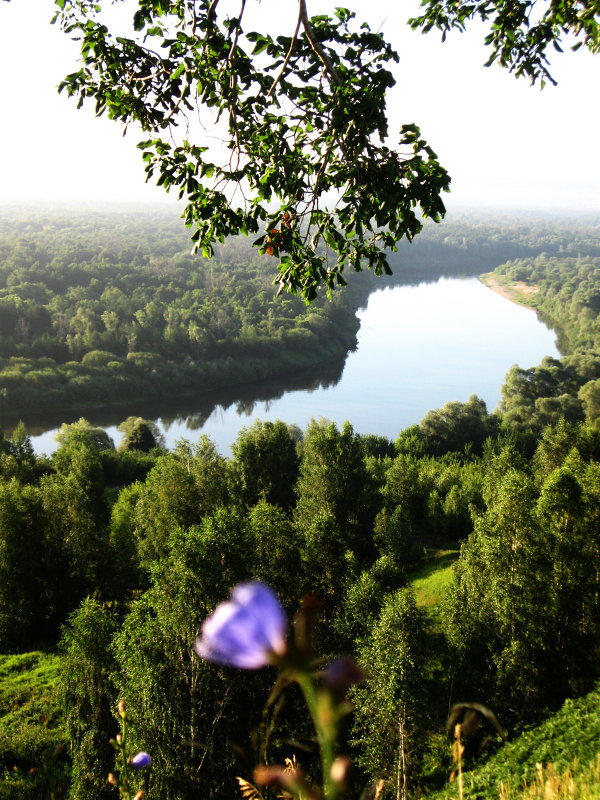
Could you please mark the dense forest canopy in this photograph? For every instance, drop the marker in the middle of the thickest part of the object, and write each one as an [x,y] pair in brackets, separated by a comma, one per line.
[100,307]
[130,548]
[104,307]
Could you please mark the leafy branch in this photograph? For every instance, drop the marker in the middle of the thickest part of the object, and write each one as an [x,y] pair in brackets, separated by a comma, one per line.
[317,181]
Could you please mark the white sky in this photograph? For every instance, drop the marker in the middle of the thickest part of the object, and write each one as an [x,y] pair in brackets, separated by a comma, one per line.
[504,142]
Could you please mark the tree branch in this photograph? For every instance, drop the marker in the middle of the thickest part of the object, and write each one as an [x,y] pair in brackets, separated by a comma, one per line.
[289,52]
[316,45]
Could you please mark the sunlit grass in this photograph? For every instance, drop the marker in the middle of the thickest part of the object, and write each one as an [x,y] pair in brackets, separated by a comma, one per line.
[568,740]
[27,688]
[31,726]
[431,579]
[577,782]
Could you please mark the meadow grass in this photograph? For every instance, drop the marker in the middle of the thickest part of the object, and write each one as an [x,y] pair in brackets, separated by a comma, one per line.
[32,732]
[577,782]
[431,579]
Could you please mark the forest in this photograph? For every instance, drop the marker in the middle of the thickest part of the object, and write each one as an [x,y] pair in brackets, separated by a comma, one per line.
[459,563]
[98,308]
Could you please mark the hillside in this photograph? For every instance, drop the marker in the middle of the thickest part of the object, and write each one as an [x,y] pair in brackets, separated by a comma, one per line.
[566,744]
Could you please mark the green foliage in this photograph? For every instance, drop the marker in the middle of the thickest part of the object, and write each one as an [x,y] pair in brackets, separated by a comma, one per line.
[520,33]
[334,485]
[391,703]
[305,118]
[83,433]
[140,434]
[524,598]
[265,464]
[76,526]
[88,697]
[589,396]
[179,491]
[33,738]
[23,567]
[457,427]
[274,552]
[17,457]
[158,539]
[428,500]
[131,314]
[361,605]
[187,712]
[557,389]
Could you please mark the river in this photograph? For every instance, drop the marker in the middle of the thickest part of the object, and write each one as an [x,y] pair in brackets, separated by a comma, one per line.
[419,346]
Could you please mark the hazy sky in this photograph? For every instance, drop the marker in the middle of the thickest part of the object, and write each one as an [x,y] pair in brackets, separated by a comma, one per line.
[504,142]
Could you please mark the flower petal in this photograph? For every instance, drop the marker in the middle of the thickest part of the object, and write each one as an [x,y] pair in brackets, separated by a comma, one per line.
[246,630]
[141,760]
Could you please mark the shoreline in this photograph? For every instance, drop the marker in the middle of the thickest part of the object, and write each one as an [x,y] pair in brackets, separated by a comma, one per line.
[517,292]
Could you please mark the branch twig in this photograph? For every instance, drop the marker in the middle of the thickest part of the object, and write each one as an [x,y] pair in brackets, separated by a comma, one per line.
[316,45]
[286,61]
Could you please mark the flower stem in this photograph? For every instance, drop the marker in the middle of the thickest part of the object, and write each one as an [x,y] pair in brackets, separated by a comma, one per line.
[324,719]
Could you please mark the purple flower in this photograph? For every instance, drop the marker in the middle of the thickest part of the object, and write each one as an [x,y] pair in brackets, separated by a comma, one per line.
[141,760]
[245,631]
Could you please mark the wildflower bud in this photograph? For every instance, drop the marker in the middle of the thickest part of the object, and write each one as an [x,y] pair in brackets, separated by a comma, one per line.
[293,782]
[141,760]
[112,779]
[341,674]
[119,738]
[139,795]
[121,708]
[269,775]
[311,604]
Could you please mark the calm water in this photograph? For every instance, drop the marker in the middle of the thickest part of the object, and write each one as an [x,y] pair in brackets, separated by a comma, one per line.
[418,347]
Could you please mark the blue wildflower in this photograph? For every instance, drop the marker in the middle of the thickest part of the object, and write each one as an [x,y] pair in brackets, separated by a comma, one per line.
[141,760]
[246,630]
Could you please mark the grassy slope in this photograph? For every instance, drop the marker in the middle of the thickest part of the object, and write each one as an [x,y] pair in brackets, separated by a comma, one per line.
[31,727]
[32,732]
[569,741]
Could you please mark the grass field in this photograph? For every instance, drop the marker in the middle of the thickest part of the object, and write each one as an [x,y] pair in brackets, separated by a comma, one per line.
[432,578]
[32,734]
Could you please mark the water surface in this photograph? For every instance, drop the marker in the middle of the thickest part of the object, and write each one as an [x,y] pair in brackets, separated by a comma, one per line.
[419,347]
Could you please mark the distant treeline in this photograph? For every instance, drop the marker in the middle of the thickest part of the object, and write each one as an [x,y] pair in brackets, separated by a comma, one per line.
[569,301]
[103,308]
[99,309]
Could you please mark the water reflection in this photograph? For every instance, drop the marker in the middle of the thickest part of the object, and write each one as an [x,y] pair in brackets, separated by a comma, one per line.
[192,413]
[419,346]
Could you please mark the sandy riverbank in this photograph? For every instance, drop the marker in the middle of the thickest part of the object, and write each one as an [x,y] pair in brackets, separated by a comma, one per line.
[517,292]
